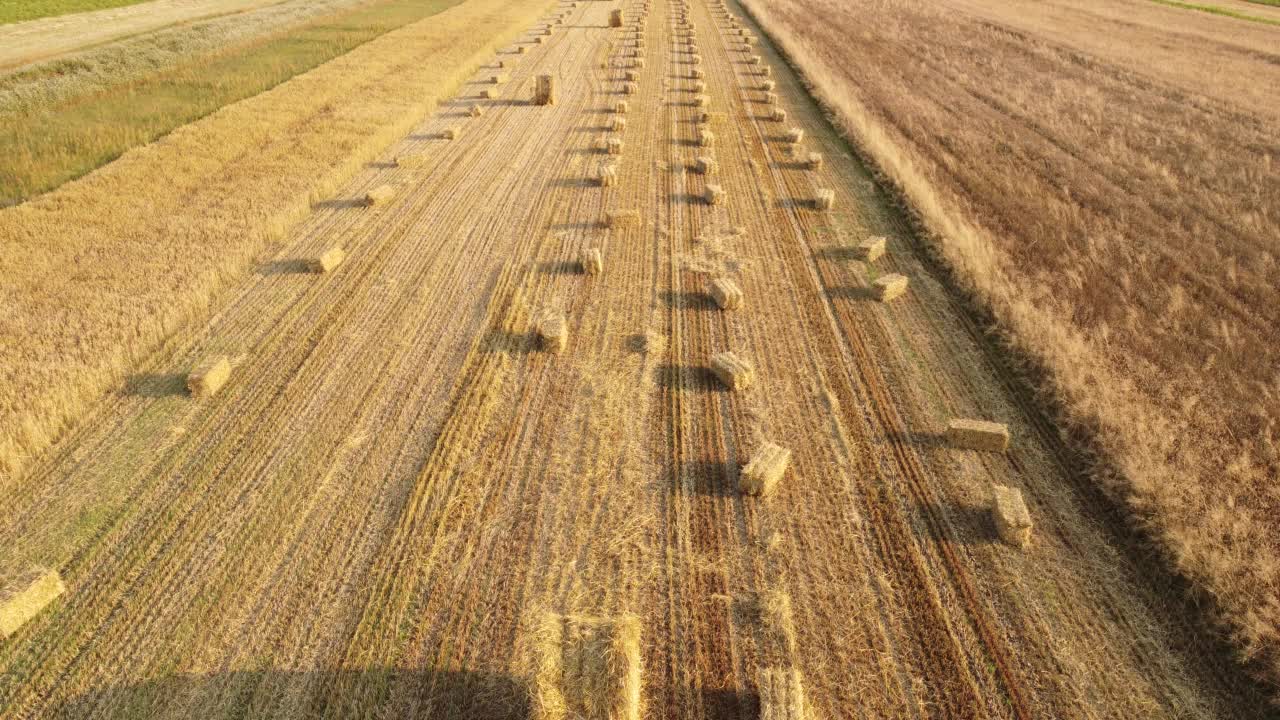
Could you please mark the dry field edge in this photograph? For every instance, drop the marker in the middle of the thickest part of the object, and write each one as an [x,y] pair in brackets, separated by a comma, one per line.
[1220,547]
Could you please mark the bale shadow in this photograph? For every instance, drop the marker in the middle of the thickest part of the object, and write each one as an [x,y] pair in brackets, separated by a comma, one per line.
[689,300]
[838,253]
[688,198]
[708,478]
[956,522]
[381,165]
[155,385]
[288,266]
[852,292]
[584,225]
[577,183]
[730,704]
[340,203]
[918,438]
[509,342]
[688,378]
[342,694]
[560,267]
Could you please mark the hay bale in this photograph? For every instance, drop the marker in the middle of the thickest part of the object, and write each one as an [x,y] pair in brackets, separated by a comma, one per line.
[824,199]
[764,470]
[378,195]
[207,378]
[700,87]
[813,162]
[639,62]
[615,18]
[782,695]
[701,100]
[619,219]
[770,99]
[545,91]
[736,373]
[488,93]
[327,261]
[476,110]
[754,60]
[552,330]
[499,78]
[618,124]
[726,293]
[630,88]
[705,165]
[588,668]
[697,73]
[631,75]
[871,249]
[795,135]
[714,195]
[539,40]
[451,133]
[1012,519]
[521,49]
[706,138]
[978,434]
[695,60]
[592,261]
[24,596]
[765,71]
[621,107]
[889,286]
[768,85]
[607,176]
[778,115]
[613,146]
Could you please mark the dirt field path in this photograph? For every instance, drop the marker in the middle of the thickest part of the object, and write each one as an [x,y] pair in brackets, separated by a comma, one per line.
[26,42]
[366,521]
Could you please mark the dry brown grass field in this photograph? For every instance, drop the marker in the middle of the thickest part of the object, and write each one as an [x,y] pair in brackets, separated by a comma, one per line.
[410,500]
[1104,179]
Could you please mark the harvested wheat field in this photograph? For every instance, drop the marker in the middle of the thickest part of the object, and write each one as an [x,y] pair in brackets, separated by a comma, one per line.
[544,446]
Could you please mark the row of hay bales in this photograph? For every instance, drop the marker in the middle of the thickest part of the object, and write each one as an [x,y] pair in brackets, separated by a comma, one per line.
[1010,515]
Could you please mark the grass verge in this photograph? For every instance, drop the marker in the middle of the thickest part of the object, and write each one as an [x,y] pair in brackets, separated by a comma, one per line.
[1215,10]
[12,11]
[45,146]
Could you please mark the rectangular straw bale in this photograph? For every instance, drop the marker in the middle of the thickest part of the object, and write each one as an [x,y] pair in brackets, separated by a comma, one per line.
[451,133]
[726,293]
[499,78]
[618,123]
[327,261]
[813,161]
[588,668]
[622,218]
[824,199]
[630,88]
[592,261]
[378,195]
[733,371]
[871,249]
[889,286]
[701,100]
[700,87]
[795,135]
[207,378]
[638,62]
[1012,519]
[706,138]
[614,146]
[782,695]
[621,107]
[545,91]
[706,165]
[697,73]
[714,195]
[754,60]
[24,596]
[765,71]
[521,49]
[696,59]
[778,115]
[552,330]
[978,434]
[768,85]
[608,175]
[770,98]
[539,40]
[764,470]
[476,110]
[488,93]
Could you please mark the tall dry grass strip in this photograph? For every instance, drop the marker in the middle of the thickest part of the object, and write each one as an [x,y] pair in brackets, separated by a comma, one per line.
[233,183]
[736,373]
[23,597]
[765,469]
[1011,517]
[207,378]
[589,668]
[782,695]
[978,435]
[326,262]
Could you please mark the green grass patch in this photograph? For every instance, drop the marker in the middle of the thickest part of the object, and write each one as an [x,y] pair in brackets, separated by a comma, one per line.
[45,147]
[12,11]
[1215,10]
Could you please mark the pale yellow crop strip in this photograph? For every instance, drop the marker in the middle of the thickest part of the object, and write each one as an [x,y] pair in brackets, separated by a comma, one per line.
[101,270]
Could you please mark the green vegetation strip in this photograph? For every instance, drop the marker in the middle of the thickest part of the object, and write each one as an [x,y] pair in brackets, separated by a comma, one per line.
[1214,9]
[45,147]
[12,11]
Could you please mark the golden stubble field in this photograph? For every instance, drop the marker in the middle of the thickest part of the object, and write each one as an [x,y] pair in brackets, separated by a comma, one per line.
[1115,204]
[399,482]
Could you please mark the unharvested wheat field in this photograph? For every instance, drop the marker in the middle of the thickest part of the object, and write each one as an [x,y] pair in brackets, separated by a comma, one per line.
[401,479]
